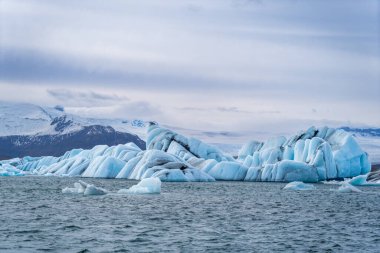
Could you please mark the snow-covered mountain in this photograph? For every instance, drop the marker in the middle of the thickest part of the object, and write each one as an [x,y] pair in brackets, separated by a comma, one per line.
[363,132]
[29,119]
[27,129]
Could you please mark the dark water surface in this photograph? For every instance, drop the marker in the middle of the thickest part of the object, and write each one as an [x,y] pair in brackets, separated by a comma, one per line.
[186,217]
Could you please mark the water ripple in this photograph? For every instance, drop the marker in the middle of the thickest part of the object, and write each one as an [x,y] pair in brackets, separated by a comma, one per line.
[186,217]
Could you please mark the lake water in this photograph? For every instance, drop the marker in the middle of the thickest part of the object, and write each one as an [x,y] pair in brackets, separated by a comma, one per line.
[186,217]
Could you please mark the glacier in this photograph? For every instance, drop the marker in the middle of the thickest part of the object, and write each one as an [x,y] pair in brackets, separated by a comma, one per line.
[317,154]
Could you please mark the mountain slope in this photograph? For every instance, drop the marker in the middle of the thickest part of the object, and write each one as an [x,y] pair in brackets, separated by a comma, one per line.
[30,130]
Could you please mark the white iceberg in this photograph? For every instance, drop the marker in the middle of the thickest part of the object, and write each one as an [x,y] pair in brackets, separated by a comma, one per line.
[145,186]
[321,154]
[347,188]
[81,187]
[93,190]
[299,186]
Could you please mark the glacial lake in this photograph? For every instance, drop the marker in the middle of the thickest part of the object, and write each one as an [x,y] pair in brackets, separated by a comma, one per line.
[186,217]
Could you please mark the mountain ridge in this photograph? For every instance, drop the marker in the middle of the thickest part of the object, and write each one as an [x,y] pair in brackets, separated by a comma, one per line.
[31,130]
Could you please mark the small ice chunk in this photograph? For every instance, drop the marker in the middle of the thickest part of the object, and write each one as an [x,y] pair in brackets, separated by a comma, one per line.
[81,187]
[358,180]
[362,180]
[332,182]
[145,186]
[346,188]
[93,190]
[68,190]
[299,186]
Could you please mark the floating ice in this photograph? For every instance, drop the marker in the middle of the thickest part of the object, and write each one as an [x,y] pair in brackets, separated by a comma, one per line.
[346,188]
[228,171]
[93,190]
[299,186]
[164,139]
[68,190]
[313,155]
[7,170]
[310,156]
[358,180]
[81,187]
[332,182]
[145,186]
[362,180]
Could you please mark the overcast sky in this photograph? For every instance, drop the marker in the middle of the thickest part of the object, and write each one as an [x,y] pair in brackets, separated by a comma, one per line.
[212,64]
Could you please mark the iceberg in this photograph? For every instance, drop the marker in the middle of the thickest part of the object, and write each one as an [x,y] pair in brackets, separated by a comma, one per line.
[231,171]
[362,180]
[7,170]
[310,156]
[145,186]
[299,186]
[166,140]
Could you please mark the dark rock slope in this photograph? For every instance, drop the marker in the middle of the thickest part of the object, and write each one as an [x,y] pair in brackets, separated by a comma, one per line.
[56,144]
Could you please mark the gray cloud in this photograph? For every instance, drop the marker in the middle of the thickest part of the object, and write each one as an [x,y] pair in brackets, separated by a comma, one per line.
[231,109]
[194,8]
[193,109]
[88,98]
[139,109]
[205,59]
